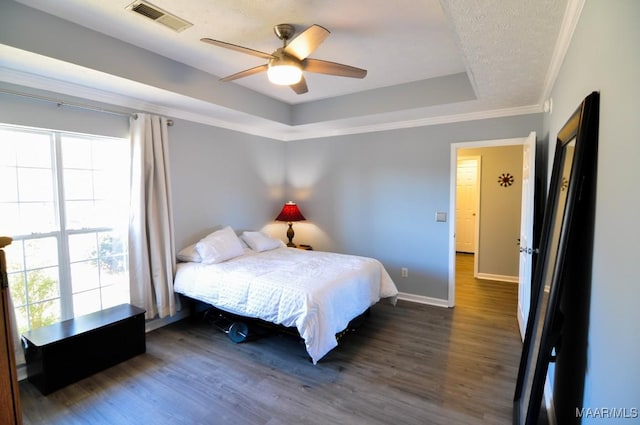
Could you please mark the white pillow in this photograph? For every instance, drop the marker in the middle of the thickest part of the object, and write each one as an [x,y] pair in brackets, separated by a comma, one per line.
[258,241]
[189,254]
[219,246]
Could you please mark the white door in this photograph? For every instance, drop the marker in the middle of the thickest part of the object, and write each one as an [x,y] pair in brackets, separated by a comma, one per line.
[467,201]
[526,231]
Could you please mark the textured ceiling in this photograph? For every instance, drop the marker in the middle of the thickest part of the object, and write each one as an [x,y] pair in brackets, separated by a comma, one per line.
[508,45]
[505,47]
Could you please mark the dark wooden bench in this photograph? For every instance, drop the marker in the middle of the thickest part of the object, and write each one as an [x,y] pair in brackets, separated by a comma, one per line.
[65,352]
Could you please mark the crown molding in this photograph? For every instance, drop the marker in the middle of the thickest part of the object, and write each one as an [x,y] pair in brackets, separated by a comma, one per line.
[158,101]
[412,123]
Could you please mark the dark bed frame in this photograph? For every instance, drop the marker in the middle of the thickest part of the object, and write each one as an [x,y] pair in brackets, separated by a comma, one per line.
[243,329]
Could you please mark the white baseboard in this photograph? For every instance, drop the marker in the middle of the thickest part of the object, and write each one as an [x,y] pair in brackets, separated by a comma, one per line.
[421,299]
[154,324]
[498,277]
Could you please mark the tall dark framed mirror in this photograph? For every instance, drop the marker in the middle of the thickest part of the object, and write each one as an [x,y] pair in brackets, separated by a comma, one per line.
[574,160]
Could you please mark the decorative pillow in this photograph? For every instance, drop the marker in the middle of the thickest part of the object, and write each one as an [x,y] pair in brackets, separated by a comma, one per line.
[258,241]
[189,254]
[219,246]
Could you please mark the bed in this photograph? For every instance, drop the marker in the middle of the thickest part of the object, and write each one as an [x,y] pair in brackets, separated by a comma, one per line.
[318,293]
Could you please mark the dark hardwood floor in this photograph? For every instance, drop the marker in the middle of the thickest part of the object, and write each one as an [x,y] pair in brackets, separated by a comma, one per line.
[408,364]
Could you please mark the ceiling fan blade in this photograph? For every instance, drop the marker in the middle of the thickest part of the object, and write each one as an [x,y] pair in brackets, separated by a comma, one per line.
[332,68]
[308,41]
[245,73]
[300,87]
[237,48]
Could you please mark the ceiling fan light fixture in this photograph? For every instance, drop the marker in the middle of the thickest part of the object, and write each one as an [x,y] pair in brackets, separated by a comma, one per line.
[284,75]
[284,71]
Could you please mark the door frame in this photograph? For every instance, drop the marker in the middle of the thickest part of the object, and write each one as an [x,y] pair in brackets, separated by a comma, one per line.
[452,200]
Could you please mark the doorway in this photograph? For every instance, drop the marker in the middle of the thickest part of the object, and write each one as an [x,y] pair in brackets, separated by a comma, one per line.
[527,205]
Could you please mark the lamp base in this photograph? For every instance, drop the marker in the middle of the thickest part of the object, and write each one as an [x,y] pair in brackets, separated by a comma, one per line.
[290,235]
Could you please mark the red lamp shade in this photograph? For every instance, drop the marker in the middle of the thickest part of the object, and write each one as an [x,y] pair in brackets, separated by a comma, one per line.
[290,212]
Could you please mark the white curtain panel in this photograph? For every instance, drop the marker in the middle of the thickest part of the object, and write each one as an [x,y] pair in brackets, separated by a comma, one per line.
[151,242]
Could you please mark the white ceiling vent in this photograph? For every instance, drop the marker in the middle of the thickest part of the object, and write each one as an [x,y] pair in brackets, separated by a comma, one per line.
[163,17]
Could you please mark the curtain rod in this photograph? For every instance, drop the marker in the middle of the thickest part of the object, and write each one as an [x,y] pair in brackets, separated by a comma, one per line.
[74,104]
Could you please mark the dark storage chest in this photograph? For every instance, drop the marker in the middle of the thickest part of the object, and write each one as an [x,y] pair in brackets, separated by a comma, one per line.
[65,352]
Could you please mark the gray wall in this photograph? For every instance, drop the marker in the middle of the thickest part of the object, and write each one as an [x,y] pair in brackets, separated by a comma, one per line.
[500,207]
[36,113]
[604,56]
[221,177]
[377,194]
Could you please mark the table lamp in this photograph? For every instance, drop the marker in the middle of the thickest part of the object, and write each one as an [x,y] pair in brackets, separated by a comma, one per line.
[290,213]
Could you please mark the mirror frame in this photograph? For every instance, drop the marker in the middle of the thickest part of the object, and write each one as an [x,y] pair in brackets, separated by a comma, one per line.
[544,324]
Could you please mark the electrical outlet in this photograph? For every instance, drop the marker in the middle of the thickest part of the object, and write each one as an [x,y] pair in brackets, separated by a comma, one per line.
[404,272]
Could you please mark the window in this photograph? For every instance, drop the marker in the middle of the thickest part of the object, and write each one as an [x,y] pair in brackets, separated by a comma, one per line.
[65,202]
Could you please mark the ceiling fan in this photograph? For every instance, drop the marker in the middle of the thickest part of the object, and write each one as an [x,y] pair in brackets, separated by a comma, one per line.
[285,64]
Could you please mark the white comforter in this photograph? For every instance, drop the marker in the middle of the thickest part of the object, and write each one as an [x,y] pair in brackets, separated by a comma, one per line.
[317,292]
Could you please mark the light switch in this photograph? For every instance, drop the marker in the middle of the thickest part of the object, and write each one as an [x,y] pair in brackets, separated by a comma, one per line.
[441,216]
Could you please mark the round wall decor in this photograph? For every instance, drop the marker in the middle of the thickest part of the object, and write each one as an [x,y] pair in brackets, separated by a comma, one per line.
[505,179]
